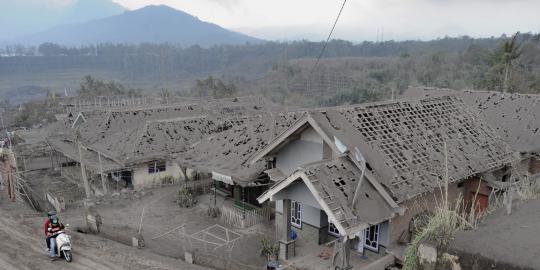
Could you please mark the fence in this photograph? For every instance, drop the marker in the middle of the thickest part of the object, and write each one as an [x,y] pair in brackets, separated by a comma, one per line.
[245,218]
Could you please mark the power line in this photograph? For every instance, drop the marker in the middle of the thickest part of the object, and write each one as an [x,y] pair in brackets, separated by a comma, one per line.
[329,36]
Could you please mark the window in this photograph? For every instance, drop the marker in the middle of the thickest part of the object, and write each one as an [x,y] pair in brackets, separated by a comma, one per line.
[157,166]
[296,214]
[332,230]
[372,238]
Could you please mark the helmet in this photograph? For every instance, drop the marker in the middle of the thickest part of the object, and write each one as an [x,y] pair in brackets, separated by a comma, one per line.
[51,213]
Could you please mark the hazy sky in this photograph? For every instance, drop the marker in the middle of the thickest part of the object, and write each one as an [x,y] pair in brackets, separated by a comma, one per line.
[362,19]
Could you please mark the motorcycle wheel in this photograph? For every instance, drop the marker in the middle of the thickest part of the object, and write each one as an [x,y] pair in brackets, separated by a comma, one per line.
[67,255]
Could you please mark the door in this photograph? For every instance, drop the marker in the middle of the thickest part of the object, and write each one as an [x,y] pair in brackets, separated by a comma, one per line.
[372,238]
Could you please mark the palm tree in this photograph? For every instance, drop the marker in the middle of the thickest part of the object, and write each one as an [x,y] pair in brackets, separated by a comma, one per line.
[509,52]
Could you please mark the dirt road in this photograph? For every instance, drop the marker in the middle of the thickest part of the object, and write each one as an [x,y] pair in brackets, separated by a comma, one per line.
[22,247]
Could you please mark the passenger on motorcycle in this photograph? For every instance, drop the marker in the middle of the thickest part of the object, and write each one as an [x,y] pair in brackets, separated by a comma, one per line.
[52,227]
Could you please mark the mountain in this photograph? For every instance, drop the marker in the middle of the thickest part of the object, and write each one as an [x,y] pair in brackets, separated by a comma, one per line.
[151,24]
[21,18]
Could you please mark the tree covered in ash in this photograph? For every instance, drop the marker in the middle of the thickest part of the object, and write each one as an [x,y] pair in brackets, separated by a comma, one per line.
[348,72]
[92,87]
[214,87]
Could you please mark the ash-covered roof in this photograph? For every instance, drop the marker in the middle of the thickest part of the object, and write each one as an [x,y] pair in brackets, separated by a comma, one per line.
[336,182]
[227,152]
[404,142]
[135,134]
[90,157]
[515,117]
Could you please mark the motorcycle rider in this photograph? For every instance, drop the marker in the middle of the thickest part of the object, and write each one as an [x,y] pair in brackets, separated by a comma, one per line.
[53,226]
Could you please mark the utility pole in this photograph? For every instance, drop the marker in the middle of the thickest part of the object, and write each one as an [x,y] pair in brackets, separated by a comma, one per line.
[83,169]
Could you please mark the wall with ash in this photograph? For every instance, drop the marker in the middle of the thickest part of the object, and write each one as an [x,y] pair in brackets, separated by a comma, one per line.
[304,150]
[142,179]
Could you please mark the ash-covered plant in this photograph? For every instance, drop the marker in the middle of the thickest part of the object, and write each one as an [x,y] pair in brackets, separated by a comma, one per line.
[213,211]
[185,197]
[268,249]
[440,226]
[167,180]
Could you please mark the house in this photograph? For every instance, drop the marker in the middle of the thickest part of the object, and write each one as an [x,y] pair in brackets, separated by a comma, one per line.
[361,173]
[135,146]
[515,117]
[224,155]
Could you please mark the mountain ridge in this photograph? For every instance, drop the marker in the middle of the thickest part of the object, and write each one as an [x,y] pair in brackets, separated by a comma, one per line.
[150,24]
[23,18]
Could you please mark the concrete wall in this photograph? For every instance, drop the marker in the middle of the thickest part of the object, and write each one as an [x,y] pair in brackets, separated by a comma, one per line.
[306,234]
[306,149]
[142,179]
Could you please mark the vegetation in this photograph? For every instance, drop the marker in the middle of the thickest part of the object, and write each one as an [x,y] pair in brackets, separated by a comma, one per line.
[35,113]
[441,226]
[91,87]
[268,249]
[348,72]
[213,211]
[214,87]
[185,197]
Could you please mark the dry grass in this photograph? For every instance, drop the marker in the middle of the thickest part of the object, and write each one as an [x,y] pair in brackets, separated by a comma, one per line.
[446,219]
[450,217]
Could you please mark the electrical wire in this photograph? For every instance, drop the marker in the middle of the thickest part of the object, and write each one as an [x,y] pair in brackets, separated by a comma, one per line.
[329,36]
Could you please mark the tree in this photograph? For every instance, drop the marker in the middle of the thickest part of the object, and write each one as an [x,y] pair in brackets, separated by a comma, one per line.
[216,87]
[509,52]
[92,87]
[51,49]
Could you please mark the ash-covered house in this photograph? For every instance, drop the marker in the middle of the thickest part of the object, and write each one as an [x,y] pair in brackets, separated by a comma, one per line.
[224,155]
[121,144]
[364,172]
[135,145]
[515,117]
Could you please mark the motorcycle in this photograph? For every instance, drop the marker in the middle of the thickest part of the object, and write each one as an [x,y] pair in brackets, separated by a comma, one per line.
[63,245]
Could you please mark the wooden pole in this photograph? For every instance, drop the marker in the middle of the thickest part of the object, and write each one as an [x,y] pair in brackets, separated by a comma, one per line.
[103,180]
[83,172]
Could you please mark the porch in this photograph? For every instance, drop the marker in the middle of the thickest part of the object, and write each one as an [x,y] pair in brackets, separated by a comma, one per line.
[319,257]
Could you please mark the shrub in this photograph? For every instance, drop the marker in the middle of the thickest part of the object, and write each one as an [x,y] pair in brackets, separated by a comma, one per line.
[185,198]
[213,211]
[267,249]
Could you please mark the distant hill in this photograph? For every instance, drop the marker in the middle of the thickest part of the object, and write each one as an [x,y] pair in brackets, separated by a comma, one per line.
[151,24]
[21,18]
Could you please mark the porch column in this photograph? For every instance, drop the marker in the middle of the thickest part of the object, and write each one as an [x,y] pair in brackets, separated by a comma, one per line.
[285,232]
[342,254]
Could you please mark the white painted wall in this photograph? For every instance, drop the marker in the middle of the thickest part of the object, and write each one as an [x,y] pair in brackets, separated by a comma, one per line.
[298,191]
[306,149]
[142,179]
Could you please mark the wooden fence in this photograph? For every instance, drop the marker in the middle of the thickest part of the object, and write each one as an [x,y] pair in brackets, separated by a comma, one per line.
[245,218]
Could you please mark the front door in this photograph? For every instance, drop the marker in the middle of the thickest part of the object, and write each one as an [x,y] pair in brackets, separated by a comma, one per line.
[372,238]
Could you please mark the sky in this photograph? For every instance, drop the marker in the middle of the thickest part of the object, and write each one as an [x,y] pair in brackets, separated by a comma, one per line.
[361,19]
